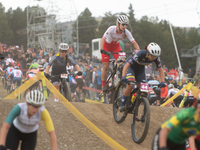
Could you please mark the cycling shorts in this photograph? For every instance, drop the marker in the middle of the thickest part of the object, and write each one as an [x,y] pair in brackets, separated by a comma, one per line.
[170,144]
[110,48]
[17,79]
[157,91]
[137,75]
[14,136]
[189,100]
[80,83]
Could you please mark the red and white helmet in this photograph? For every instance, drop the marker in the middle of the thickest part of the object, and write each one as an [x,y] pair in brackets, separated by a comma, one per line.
[154,49]
[123,19]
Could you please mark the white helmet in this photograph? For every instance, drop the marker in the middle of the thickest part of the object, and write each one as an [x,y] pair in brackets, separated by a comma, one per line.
[123,19]
[154,49]
[63,46]
[16,67]
[35,97]
[170,86]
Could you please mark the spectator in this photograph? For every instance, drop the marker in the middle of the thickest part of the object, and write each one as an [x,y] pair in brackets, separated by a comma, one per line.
[190,75]
[183,83]
[81,65]
[171,81]
[165,68]
[87,77]
[40,60]
[173,73]
[45,63]
[50,56]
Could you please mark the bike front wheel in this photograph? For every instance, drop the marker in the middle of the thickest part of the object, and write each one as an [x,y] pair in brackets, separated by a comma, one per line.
[67,91]
[117,97]
[140,120]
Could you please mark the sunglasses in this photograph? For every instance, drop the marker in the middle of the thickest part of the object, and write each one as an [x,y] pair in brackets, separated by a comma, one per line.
[63,51]
[35,106]
[124,24]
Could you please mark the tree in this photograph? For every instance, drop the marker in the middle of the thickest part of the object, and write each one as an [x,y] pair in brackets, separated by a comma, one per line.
[86,27]
[5,31]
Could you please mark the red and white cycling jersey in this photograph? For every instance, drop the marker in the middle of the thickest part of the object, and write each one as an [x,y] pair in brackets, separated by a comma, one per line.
[10,60]
[113,37]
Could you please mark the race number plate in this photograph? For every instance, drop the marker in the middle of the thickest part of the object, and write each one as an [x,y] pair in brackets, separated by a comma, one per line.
[122,55]
[64,76]
[144,87]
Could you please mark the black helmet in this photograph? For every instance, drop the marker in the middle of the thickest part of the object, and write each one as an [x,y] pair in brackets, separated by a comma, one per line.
[79,73]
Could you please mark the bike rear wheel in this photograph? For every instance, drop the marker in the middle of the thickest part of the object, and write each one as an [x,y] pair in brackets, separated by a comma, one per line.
[140,123]
[117,97]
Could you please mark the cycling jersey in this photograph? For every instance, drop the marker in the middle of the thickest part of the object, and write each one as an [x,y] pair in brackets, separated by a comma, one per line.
[34,65]
[19,117]
[35,71]
[9,70]
[182,125]
[59,64]
[137,65]
[140,59]
[112,36]
[112,41]
[17,73]
[173,91]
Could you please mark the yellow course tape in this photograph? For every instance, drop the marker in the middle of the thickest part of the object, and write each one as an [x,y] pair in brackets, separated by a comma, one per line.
[76,113]
[175,96]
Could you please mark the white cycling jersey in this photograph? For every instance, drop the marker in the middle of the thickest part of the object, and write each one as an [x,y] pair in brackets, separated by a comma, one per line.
[113,37]
[25,124]
[173,91]
[17,73]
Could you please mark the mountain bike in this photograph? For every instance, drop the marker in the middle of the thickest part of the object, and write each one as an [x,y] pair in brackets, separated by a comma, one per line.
[114,75]
[137,105]
[64,85]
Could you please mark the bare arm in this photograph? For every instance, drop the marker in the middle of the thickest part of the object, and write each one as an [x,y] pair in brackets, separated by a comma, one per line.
[125,69]
[3,133]
[192,142]
[135,44]
[53,140]
[161,72]
[102,43]
[163,137]
[47,69]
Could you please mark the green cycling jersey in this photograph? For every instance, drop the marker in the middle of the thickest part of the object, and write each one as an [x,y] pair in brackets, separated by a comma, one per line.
[34,65]
[182,125]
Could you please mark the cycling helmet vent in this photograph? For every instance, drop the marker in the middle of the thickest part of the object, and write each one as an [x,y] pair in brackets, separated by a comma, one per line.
[154,49]
[16,67]
[123,19]
[35,97]
[63,46]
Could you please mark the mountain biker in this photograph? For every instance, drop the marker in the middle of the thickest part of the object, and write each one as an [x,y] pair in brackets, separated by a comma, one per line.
[154,85]
[111,42]
[80,83]
[174,132]
[34,64]
[59,63]
[134,68]
[171,92]
[17,76]
[22,124]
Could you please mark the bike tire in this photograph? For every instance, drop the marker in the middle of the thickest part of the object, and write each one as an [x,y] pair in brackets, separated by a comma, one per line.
[117,97]
[145,121]
[67,91]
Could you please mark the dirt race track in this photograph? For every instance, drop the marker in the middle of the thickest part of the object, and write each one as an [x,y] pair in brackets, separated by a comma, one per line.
[73,135]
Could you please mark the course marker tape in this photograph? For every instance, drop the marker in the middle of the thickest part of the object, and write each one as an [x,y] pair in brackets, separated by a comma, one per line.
[113,144]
